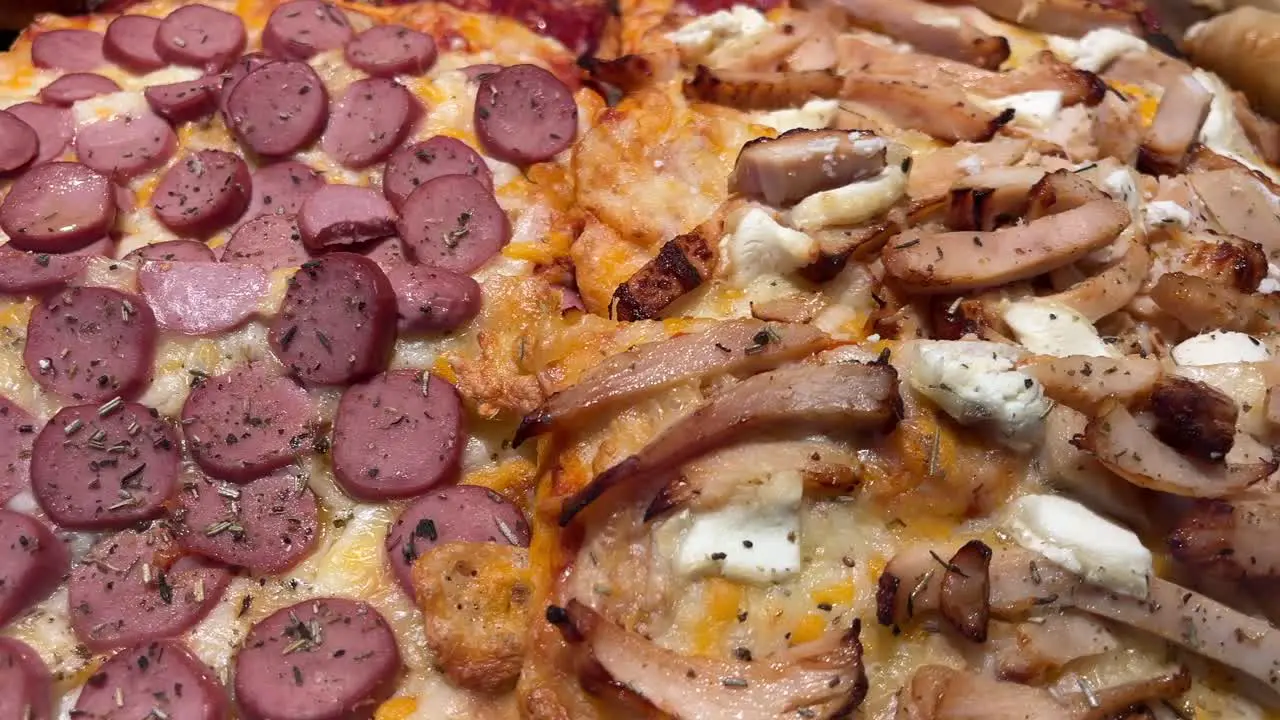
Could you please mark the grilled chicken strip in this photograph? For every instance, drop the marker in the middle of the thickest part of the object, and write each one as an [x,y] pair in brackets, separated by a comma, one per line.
[746,90]
[1234,538]
[1182,111]
[783,170]
[948,36]
[1065,17]
[1202,305]
[941,111]
[1194,418]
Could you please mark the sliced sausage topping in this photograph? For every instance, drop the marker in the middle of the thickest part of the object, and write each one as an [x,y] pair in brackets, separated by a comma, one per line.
[268,525]
[270,242]
[171,250]
[397,435]
[75,87]
[33,562]
[237,72]
[17,433]
[415,164]
[153,679]
[202,298]
[388,253]
[27,272]
[322,659]
[338,322]
[133,587]
[458,513]
[100,467]
[453,222]
[279,108]
[370,119]
[203,193]
[200,36]
[19,143]
[91,344]
[185,101]
[26,685]
[71,50]
[281,188]
[299,29]
[246,423]
[337,215]
[58,207]
[52,125]
[131,43]
[524,114]
[390,50]
[433,300]
[127,145]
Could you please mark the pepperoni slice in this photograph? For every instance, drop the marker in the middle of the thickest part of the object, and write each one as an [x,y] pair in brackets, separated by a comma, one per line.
[202,298]
[32,563]
[132,587]
[338,321]
[337,215]
[269,242]
[200,36]
[413,165]
[185,101]
[524,114]
[372,117]
[58,207]
[75,87]
[324,659]
[156,679]
[299,29]
[52,124]
[453,222]
[279,108]
[281,188]
[433,300]
[203,193]
[91,344]
[390,50]
[237,72]
[102,467]
[267,526]
[18,143]
[71,50]
[17,433]
[246,423]
[180,250]
[26,685]
[131,43]
[458,513]
[397,435]
[127,145]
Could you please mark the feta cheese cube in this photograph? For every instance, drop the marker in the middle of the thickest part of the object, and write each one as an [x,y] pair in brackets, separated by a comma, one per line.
[755,539]
[815,114]
[979,383]
[1219,348]
[1047,329]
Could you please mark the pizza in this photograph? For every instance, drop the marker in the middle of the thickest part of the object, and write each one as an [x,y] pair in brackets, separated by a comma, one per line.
[692,360]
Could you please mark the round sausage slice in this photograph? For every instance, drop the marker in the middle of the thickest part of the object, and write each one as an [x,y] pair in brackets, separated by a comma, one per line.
[268,525]
[158,679]
[237,72]
[91,344]
[71,50]
[524,114]
[336,215]
[433,300]
[246,423]
[338,321]
[299,29]
[370,119]
[281,188]
[127,145]
[131,43]
[279,108]
[390,50]
[101,467]
[397,435]
[202,298]
[203,193]
[269,242]
[24,273]
[388,253]
[32,563]
[325,659]
[58,207]
[17,433]
[180,250]
[73,88]
[458,513]
[200,36]
[52,125]
[19,143]
[413,165]
[453,222]
[132,587]
[185,101]
[26,685]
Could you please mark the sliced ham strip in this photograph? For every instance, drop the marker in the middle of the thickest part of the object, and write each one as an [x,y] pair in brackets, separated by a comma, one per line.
[781,171]
[1241,205]
[1182,111]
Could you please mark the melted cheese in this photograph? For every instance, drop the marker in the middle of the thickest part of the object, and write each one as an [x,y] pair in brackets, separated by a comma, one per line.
[755,539]
[851,204]
[1047,329]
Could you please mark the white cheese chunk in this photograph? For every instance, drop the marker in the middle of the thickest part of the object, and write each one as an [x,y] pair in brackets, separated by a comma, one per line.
[979,383]
[755,539]
[1048,329]
[850,204]
[1097,49]
[1219,348]
[1036,109]
[759,246]
[1073,536]
[1222,132]
[737,27]
[1119,184]
[815,114]
[1163,213]
[1270,283]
